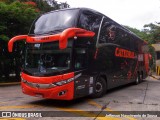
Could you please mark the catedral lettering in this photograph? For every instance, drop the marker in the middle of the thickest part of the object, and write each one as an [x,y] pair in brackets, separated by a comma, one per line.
[69,53]
[124,53]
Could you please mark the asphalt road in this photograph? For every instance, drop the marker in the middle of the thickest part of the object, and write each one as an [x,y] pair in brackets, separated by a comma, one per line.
[143,97]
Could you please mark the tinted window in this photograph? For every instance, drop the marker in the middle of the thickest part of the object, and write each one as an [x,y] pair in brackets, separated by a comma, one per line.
[108,31]
[132,43]
[58,20]
[90,21]
[80,58]
[124,38]
[47,58]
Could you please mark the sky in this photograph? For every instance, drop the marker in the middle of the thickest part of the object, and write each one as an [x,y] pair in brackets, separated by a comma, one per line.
[133,13]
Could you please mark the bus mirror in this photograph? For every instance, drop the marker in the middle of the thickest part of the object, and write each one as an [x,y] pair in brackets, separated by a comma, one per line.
[63,41]
[63,44]
[72,32]
[14,39]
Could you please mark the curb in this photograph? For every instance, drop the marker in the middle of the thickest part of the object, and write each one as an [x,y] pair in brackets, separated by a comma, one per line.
[158,70]
[10,83]
[154,77]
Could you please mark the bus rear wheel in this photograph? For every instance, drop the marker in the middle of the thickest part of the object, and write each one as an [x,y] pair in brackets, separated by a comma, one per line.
[100,88]
[138,79]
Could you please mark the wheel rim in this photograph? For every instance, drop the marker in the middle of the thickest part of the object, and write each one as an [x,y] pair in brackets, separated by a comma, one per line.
[99,87]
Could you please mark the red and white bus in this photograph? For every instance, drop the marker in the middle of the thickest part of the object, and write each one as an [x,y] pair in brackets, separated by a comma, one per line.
[71,53]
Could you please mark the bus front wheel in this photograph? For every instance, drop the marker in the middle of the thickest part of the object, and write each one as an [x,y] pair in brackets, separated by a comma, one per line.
[100,88]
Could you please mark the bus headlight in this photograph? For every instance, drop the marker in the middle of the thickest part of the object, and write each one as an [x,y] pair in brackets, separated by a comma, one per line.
[64,81]
[23,80]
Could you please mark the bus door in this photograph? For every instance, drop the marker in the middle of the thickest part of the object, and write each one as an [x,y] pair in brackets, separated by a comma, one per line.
[82,80]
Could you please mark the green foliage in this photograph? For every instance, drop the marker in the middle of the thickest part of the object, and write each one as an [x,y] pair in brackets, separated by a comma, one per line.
[43,6]
[150,33]
[154,31]
[4,38]
[47,5]
[16,18]
[142,34]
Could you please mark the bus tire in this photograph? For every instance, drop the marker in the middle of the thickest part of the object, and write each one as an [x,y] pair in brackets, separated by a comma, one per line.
[100,88]
[137,79]
[141,76]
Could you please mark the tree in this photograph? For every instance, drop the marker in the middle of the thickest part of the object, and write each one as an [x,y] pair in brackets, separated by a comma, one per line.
[20,14]
[48,5]
[154,31]
[55,5]
[143,34]
[16,18]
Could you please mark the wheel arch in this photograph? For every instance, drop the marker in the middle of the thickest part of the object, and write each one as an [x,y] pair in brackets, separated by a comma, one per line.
[103,75]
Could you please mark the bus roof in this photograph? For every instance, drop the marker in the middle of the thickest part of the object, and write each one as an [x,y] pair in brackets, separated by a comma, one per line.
[96,12]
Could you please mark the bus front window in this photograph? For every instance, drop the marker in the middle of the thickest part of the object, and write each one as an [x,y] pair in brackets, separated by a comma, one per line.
[45,58]
[54,22]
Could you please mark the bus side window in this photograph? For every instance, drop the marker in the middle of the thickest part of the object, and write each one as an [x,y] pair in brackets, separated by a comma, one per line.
[90,21]
[111,33]
[80,58]
[102,36]
[123,38]
[132,43]
[108,32]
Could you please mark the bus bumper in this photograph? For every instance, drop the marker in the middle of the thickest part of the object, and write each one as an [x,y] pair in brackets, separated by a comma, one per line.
[64,92]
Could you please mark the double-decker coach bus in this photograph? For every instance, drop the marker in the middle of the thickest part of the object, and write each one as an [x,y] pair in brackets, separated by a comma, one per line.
[71,53]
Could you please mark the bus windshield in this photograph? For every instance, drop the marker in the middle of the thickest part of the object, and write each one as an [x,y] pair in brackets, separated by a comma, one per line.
[46,58]
[54,22]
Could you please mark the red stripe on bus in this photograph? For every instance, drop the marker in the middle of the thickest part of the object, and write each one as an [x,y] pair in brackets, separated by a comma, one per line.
[47,80]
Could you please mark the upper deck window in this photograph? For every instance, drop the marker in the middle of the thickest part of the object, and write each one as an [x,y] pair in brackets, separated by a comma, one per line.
[54,22]
[90,21]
